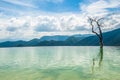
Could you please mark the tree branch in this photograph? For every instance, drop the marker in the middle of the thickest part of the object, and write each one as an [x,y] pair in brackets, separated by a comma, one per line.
[98,25]
[91,23]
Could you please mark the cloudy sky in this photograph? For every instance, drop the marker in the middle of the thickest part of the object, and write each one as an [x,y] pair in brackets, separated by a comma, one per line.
[28,19]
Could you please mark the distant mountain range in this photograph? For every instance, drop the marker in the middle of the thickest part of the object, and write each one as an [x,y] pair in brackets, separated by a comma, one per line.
[111,38]
[55,38]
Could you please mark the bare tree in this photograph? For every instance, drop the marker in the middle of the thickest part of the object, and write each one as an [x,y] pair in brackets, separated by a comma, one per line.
[95,23]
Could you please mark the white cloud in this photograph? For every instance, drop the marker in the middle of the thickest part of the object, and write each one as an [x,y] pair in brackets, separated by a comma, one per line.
[56,23]
[100,7]
[103,9]
[112,22]
[30,3]
[28,27]
[21,3]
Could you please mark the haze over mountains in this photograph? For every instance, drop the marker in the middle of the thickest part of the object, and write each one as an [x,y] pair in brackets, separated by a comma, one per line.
[111,38]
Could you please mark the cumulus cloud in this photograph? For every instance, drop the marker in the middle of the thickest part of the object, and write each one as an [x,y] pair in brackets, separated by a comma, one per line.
[111,22]
[107,9]
[44,23]
[12,29]
[36,26]
[28,27]
[73,23]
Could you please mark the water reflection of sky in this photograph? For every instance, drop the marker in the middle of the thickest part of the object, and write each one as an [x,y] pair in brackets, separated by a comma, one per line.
[44,57]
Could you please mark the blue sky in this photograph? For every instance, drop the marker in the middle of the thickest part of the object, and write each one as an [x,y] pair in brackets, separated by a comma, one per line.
[27,19]
[43,5]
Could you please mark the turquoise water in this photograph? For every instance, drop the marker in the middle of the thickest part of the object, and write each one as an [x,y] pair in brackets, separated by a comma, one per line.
[60,63]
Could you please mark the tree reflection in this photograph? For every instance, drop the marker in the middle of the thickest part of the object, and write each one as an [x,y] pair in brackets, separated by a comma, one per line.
[101,57]
[99,60]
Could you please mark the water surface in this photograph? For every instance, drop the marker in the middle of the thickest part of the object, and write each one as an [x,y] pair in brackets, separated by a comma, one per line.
[60,63]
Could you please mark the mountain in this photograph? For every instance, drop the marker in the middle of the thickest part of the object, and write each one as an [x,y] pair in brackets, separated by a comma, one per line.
[75,38]
[55,38]
[32,42]
[13,43]
[111,38]
[60,40]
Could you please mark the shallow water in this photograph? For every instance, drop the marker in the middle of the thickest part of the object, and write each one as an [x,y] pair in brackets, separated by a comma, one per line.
[60,63]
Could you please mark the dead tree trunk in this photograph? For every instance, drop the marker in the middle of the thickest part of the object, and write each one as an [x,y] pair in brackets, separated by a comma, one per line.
[99,33]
